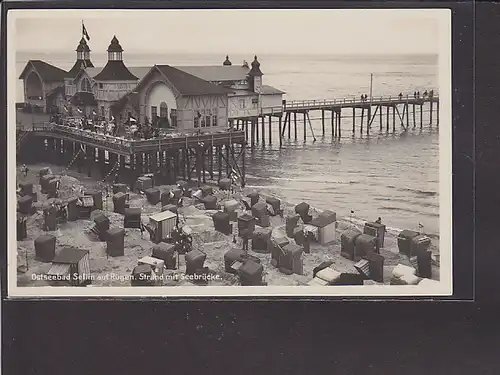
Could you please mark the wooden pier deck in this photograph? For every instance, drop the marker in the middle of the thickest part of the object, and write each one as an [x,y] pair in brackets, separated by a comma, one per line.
[182,154]
[168,158]
[365,111]
[309,105]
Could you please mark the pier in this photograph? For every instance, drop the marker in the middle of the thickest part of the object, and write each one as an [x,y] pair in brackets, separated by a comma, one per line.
[198,155]
[389,113]
[167,158]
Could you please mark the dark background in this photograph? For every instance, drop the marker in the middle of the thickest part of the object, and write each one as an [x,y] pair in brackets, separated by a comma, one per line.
[334,337]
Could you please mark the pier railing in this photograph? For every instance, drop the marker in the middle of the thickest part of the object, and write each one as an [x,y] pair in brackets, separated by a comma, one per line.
[350,102]
[127,147]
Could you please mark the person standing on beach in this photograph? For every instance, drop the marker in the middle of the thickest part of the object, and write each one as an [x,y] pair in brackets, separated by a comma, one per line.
[244,235]
[24,170]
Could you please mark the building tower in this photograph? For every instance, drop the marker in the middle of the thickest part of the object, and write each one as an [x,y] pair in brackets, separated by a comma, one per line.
[115,69]
[227,62]
[82,58]
[255,76]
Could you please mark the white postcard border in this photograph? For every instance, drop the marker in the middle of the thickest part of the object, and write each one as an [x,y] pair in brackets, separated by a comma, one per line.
[443,288]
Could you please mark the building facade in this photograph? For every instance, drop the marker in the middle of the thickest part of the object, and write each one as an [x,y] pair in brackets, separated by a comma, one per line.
[180,99]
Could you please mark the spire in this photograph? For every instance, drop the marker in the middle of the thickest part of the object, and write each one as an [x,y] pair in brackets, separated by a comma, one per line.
[115,69]
[115,50]
[227,62]
[255,71]
[83,46]
[82,58]
[115,46]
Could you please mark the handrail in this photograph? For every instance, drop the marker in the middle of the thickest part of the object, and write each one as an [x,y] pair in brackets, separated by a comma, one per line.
[131,146]
[374,100]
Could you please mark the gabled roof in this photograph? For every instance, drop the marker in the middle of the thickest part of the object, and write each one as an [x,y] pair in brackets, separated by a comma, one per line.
[115,70]
[270,90]
[217,73]
[48,72]
[139,71]
[69,255]
[188,84]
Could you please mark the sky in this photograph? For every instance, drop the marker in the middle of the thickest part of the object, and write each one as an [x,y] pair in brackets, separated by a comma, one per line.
[358,31]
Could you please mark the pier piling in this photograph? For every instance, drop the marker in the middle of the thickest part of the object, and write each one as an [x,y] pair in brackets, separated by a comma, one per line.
[362,118]
[270,129]
[430,114]
[380,117]
[421,116]
[280,133]
[323,121]
[353,120]
[295,123]
[305,129]
[414,122]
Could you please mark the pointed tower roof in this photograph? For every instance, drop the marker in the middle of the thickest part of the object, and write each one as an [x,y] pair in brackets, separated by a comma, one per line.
[115,46]
[227,62]
[83,46]
[83,58]
[255,71]
[115,69]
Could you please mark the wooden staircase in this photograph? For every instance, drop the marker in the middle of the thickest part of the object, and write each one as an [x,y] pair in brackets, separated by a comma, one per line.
[21,136]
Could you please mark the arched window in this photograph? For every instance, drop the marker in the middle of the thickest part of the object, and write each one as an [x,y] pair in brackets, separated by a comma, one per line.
[163,121]
[85,85]
[34,87]
[163,110]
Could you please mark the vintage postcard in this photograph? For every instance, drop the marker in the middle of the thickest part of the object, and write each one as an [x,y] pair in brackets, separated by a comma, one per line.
[229,153]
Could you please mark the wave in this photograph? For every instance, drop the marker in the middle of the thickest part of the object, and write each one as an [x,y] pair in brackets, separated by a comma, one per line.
[405,200]
[419,192]
[389,208]
[351,182]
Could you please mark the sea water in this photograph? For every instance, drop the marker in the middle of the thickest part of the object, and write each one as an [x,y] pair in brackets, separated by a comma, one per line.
[392,176]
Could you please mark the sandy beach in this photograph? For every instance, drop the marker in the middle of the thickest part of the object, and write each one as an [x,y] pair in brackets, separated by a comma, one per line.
[115,271]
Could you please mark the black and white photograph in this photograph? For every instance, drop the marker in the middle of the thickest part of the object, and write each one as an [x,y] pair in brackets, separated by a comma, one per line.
[186,153]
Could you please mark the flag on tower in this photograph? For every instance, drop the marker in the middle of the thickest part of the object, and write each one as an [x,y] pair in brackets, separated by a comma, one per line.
[84,32]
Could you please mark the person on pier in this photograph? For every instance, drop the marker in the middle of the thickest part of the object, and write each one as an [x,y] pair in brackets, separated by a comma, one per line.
[418,94]
[400,96]
[425,93]
[415,94]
